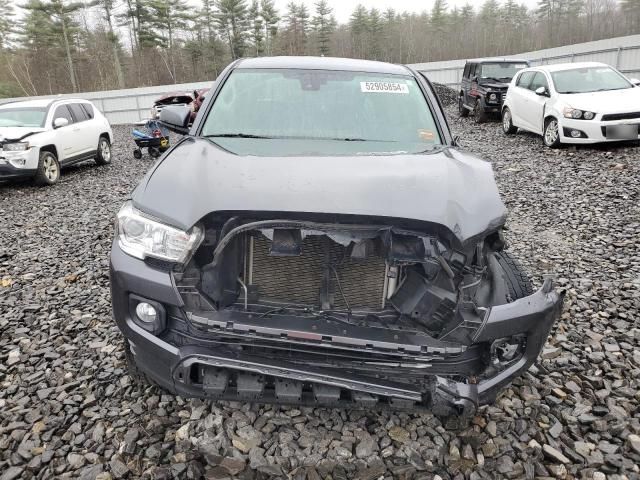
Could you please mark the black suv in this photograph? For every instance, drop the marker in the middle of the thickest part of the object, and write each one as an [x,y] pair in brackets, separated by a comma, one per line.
[484,85]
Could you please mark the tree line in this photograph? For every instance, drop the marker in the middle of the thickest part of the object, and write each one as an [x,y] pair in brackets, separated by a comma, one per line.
[62,46]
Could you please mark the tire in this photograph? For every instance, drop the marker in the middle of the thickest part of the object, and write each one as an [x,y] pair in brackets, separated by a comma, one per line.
[462,110]
[507,122]
[518,282]
[104,151]
[132,369]
[154,152]
[479,114]
[550,139]
[137,154]
[48,171]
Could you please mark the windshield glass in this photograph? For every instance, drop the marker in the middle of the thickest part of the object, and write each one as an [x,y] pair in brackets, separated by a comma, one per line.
[319,112]
[590,79]
[22,117]
[502,71]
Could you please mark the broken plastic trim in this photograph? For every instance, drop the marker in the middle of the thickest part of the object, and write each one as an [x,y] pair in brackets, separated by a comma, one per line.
[291,371]
[326,228]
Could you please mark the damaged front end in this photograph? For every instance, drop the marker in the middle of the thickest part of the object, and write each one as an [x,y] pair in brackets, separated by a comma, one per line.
[340,310]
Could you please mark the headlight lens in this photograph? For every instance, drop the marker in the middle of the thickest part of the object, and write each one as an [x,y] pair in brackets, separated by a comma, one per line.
[16,147]
[578,114]
[493,97]
[142,237]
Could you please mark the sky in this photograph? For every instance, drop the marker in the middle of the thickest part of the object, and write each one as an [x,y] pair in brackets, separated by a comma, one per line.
[343,8]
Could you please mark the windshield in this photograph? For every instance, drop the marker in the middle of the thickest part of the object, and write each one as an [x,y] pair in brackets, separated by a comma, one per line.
[590,79]
[22,117]
[502,71]
[319,112]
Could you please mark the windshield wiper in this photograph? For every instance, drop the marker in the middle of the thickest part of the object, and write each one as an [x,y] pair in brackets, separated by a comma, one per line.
[293,137]
[236,135]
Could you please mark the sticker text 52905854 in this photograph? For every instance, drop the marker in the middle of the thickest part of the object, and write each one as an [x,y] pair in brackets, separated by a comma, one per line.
[384,87]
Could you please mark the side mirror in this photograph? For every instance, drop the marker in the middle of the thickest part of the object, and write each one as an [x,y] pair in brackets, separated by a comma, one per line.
[635,81]
[176,118]
[60,122]
[542,91]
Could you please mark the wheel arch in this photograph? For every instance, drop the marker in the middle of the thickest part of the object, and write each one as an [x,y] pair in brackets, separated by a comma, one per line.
[106,134]
[50,147]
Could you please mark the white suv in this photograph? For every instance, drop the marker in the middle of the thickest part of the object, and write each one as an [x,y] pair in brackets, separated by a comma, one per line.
[39,137]
[573,103]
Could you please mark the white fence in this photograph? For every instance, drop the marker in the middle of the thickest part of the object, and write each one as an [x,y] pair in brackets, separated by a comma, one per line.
[132,105]
[621,52]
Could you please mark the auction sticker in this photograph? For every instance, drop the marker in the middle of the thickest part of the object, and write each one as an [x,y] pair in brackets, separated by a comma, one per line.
[384,87]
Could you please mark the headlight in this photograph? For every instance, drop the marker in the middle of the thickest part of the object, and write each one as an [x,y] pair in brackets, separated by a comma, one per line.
[493,97]
[16,147]
[577,114]
[142,237]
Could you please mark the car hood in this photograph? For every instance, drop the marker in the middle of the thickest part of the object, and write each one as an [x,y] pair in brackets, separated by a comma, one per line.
[497,85]
[447,187]
[613,101]
[14,133]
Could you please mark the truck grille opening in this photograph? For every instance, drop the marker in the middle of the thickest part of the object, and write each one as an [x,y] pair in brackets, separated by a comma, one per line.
[323,266]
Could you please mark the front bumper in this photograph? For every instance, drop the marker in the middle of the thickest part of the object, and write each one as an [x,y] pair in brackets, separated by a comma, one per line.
[8,171]
[171,358]
[593,130]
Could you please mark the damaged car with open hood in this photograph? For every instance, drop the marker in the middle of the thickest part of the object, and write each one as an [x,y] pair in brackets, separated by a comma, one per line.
[318,238]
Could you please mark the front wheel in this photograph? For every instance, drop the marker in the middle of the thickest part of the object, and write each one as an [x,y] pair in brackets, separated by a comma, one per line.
[551,135]
[48,169]
[507,122]
[517,280]
[479,113]
[104,151]
[462,110]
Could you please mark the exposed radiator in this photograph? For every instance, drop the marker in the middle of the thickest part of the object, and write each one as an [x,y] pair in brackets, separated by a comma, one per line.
[299,279]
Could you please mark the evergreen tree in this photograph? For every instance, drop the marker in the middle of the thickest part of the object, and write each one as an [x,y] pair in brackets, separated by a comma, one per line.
[257,30]
[7,23]
[56,16]
[324,24]
[296,28]
[375,34]
[359,25]
[107,9]
[168,18]
[232,22]
[270,16]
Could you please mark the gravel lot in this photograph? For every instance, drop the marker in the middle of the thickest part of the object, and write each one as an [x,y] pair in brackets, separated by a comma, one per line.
[68,409]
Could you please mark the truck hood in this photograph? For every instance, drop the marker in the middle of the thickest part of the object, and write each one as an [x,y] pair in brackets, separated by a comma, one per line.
[14,133]
[448,187]
[613,101]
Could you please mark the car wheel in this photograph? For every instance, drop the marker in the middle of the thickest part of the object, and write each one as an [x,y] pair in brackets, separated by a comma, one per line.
[479,114]
[104,151]
[462,110]
[518,282]
[507,122]
[551,134]
[48,169]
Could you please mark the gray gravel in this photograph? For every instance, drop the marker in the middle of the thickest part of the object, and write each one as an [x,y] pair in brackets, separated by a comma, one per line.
[68,409]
